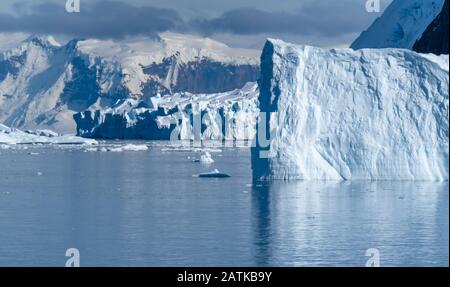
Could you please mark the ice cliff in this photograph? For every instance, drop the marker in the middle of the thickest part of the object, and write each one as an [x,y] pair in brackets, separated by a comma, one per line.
[352,115]
[182,116]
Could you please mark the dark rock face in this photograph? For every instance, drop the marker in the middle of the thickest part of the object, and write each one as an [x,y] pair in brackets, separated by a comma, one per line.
[198,77]
[11,66]
[435,38]
[82,91]
[213,77]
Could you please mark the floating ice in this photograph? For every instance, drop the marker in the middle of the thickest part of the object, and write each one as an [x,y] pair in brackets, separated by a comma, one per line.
[206,158]
[11,136]
[128,147]
[214,174]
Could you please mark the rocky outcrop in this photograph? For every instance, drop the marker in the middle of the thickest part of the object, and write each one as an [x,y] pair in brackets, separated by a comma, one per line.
[435,38]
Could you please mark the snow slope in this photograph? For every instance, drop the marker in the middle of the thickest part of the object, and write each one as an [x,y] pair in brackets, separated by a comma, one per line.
[220,116]
[43,84]
[401,25]
[352,115]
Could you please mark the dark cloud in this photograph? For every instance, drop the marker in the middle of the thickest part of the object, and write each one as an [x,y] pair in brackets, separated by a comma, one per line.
[327,18]
[321,22]
[103,19]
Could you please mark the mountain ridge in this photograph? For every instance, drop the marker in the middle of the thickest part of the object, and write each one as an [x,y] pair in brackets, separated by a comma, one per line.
[43,84]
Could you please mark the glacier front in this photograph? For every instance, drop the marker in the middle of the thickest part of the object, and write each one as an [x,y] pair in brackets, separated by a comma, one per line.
[228,116]
[352,115]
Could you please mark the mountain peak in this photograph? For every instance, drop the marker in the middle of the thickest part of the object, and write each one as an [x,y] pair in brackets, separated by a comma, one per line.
[401,24]
[43,41]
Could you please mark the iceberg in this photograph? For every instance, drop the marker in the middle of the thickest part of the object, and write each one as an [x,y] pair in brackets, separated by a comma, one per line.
[12,136]
[342,114]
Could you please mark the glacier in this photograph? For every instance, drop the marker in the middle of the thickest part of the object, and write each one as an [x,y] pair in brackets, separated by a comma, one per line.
[341,114]
[401,25]
[228,116]
[43,83]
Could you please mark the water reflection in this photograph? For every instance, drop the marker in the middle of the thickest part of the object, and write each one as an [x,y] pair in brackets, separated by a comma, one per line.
[328,224]
[261,214]
[132,209]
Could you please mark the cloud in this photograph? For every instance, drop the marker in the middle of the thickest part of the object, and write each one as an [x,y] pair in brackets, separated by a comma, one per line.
[102,19]
[316,22]
[320,17]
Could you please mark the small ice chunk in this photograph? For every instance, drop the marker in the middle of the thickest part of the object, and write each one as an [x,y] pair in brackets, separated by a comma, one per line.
[129,147]
[206,158]
[91,150]
[132,147]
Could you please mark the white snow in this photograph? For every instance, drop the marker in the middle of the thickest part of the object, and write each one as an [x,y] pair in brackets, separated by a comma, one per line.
[353,115]
[401,25]
[11,136]
[146,51]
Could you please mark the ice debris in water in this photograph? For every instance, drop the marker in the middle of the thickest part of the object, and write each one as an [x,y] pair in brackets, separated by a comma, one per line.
[128,147]
[206,158]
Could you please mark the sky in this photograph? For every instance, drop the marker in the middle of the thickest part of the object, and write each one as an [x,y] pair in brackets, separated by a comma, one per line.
[238,23]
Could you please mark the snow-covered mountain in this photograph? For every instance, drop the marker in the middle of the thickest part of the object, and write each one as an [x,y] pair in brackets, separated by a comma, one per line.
[182,116]
[43,84]
[378,114]
[401,24]
[435,38]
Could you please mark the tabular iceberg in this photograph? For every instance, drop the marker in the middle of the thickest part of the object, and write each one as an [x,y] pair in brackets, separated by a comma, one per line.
[352,115]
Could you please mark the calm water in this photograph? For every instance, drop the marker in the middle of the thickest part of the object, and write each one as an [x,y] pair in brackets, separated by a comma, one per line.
[147,209]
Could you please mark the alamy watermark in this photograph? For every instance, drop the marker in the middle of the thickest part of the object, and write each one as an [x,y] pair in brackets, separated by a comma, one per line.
[201,128]
[73,255]
[373,6]
[73,6]
[374,257]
